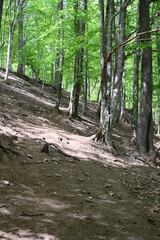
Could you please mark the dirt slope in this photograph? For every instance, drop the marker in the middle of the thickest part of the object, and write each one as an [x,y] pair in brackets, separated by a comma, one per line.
[79,191]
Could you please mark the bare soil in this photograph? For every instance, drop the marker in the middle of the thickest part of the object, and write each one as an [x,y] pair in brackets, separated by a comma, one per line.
[79,191]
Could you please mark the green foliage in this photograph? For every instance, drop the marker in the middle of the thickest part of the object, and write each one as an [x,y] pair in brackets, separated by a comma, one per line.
[41,26]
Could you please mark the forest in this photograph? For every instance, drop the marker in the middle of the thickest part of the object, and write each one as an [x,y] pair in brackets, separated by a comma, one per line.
[80,119]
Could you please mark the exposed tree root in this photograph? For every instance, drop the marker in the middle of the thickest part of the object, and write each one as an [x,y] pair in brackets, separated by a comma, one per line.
[150,159]
[23,214]
[45,149]
[9,150]
[98,136]
[142,160]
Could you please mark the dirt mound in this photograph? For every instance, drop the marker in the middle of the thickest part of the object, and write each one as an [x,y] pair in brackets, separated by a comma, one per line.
[77,191]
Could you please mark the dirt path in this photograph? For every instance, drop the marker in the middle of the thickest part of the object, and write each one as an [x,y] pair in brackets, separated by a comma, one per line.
[50,196]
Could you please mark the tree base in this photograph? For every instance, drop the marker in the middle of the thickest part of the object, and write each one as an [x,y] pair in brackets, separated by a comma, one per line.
[150,159]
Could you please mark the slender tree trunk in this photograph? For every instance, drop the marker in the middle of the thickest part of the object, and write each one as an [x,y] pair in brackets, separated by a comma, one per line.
[60,58]
[85,84]
[135,94]
[105,132]
[86,81]
[103,59]
[52,67]
[116,98]
[123,108]
[1,11]
[78,66]
[9,54]
[76,86]
[11,32]
[135,87]
[9,41]
[21,66]
[145,123]
[158,64]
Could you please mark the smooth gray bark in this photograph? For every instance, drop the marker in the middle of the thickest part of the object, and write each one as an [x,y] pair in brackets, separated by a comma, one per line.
[10,39]
[123,108]
[105,132]
[116,95]
[60,57]
[136,86]
[145,123]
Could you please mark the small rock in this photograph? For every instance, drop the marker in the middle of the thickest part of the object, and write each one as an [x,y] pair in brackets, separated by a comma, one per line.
[80,180]
[107,185]
[58,175]
[85,173]
[6,182]
[46,160]
[111,194]
[48,175]
[29,156]
[90,197]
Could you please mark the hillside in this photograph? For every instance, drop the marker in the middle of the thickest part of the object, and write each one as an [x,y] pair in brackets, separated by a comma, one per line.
[79,190]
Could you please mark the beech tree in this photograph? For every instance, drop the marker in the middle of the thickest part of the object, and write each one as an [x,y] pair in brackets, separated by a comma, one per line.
[145,124]
[13,15]
[108,107]
[79,29]
[158,72]
[136,85]
[59,56]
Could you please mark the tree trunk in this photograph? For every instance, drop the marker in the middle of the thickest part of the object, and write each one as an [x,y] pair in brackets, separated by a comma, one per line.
[85,84]
[103,59]
[123,108]
[1,11]
[106,70]
[76,87]
[78,66]
[158,64]
[9,53]
[135,87]
[116,98]
[21,67]
[11,32]
[145,123]
[60,58]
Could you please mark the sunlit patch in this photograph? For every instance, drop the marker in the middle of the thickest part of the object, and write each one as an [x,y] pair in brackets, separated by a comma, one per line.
[41,203]
[4,211]
[78,216]
[26,235]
